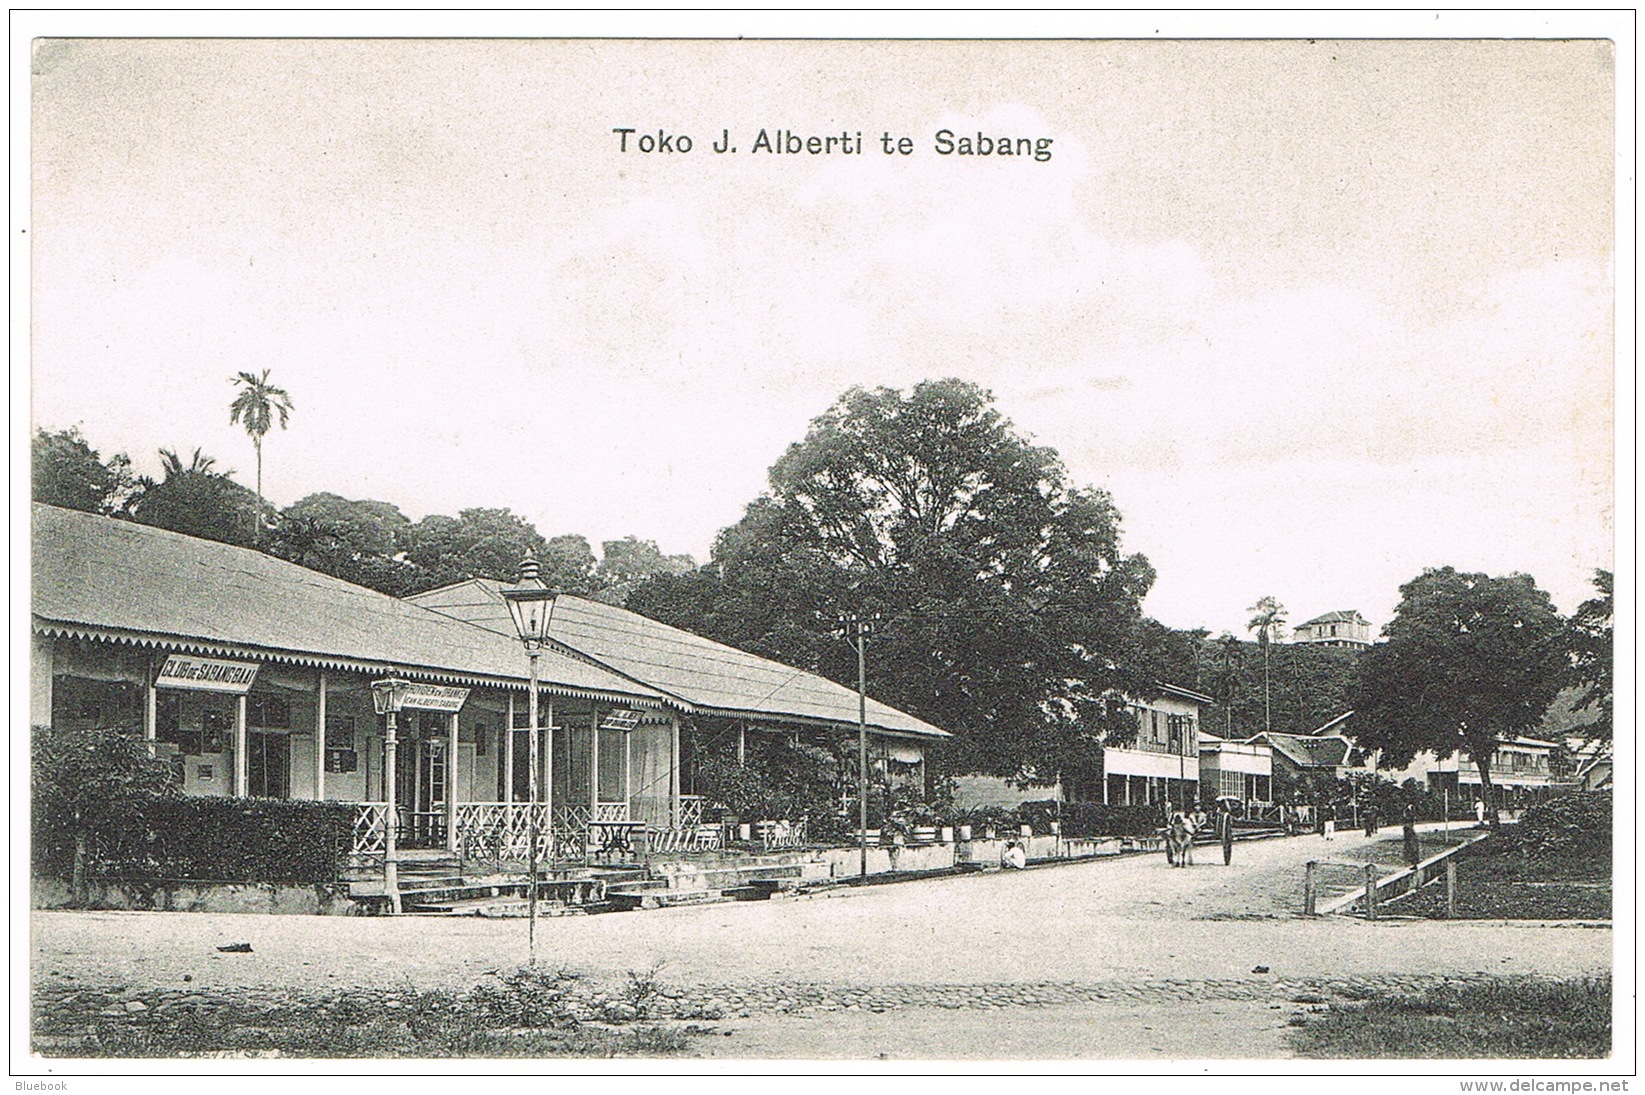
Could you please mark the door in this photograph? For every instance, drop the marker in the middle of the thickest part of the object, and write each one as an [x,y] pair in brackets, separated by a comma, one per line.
[268,765]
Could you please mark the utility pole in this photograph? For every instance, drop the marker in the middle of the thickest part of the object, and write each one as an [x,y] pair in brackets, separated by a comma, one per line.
[857,628]
[1228,645]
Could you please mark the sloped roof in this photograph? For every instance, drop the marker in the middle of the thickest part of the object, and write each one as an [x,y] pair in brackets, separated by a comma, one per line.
[1309,752]
[117,579]
[700,671]
[1344,616]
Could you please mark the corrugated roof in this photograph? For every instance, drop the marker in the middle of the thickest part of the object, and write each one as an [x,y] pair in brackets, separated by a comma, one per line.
[94,574]
[1309,752]
[699,671]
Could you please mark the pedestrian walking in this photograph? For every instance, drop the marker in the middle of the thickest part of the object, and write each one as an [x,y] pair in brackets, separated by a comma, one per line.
[1371,820]
[1328,821]
[1413,851]
[1225,832]
[1479,811]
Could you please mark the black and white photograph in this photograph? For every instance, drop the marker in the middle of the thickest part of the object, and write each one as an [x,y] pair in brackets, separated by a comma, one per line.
[759,547]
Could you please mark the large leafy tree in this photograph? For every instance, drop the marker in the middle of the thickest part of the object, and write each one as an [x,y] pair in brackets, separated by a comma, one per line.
[1007,612]
[1592,658]
[197,499]
[257,405]
[632,559]
[358,541]
[1468,660]
[477,543]
[68,472]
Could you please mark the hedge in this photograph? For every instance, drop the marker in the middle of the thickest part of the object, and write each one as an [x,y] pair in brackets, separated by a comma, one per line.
[213,839]
[1090,818]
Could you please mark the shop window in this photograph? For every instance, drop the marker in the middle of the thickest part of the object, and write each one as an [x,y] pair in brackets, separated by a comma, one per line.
[214,730]
[341,754]
[168,715]
[268,712]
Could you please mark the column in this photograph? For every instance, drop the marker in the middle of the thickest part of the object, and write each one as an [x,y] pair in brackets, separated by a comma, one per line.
[548,770]
[242,780]
[320,737]
[150,705]
[508,755]
[628,753]
[41,668]
[674,770]
[416,743]
[742,741]
[594,763]
[452,766]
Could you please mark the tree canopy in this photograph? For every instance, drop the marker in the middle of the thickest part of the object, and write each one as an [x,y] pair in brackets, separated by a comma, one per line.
[359,541]
[477,543]
[1468,660]
[1592,656]
[1007,612]
[68,472]
[197,499]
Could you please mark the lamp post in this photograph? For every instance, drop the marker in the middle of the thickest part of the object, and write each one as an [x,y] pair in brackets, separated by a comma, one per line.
[388,696]
[531,604]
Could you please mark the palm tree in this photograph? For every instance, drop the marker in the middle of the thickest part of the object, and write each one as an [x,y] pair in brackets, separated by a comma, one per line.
[1269,619]
[256,405]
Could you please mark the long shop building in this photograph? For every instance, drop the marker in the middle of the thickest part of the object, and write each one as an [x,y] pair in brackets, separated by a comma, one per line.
[253,677]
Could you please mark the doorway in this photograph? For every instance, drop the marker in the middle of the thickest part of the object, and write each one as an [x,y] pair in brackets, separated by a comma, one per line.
[268,765]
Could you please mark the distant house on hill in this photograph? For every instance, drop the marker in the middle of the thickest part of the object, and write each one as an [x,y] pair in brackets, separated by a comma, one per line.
[1346,629]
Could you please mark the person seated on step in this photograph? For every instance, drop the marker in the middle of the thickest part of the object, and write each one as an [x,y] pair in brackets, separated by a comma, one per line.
[1014,857]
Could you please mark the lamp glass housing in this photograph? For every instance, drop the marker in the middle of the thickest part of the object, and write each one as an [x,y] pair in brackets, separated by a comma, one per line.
[531,604]
[389,695]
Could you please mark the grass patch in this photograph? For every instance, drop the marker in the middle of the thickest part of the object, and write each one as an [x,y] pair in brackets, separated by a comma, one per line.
[1508,1017]
[522,1014]
[1555,864]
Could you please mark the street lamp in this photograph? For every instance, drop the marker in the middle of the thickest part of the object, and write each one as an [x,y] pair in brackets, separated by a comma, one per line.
[388,696]
[531,604]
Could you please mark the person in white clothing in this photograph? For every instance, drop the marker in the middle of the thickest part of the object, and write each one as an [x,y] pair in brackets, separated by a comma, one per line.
[1013,858]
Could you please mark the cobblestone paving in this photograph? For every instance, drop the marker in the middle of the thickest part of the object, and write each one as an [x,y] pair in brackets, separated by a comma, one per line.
[67,1007]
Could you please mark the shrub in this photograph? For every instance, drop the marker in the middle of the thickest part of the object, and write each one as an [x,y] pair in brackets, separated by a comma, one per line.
[88,785]
[210,839]
[1090,818]
[1575,825]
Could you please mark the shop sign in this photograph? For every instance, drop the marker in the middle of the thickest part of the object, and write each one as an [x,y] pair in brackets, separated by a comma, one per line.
[435,697]
[621,719]
[206,674]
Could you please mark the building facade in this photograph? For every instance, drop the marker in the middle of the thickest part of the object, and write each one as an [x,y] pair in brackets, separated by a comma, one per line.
[1239,770]
[1162,767]
[252,676]
[1341,629]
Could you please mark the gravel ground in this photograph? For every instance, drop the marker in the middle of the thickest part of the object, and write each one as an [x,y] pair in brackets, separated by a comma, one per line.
[956,956]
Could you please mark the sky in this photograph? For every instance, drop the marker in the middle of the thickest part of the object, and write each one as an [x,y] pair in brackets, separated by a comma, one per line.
[1318,314]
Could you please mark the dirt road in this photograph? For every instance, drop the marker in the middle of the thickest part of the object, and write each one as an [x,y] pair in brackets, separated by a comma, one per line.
[1112,938]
